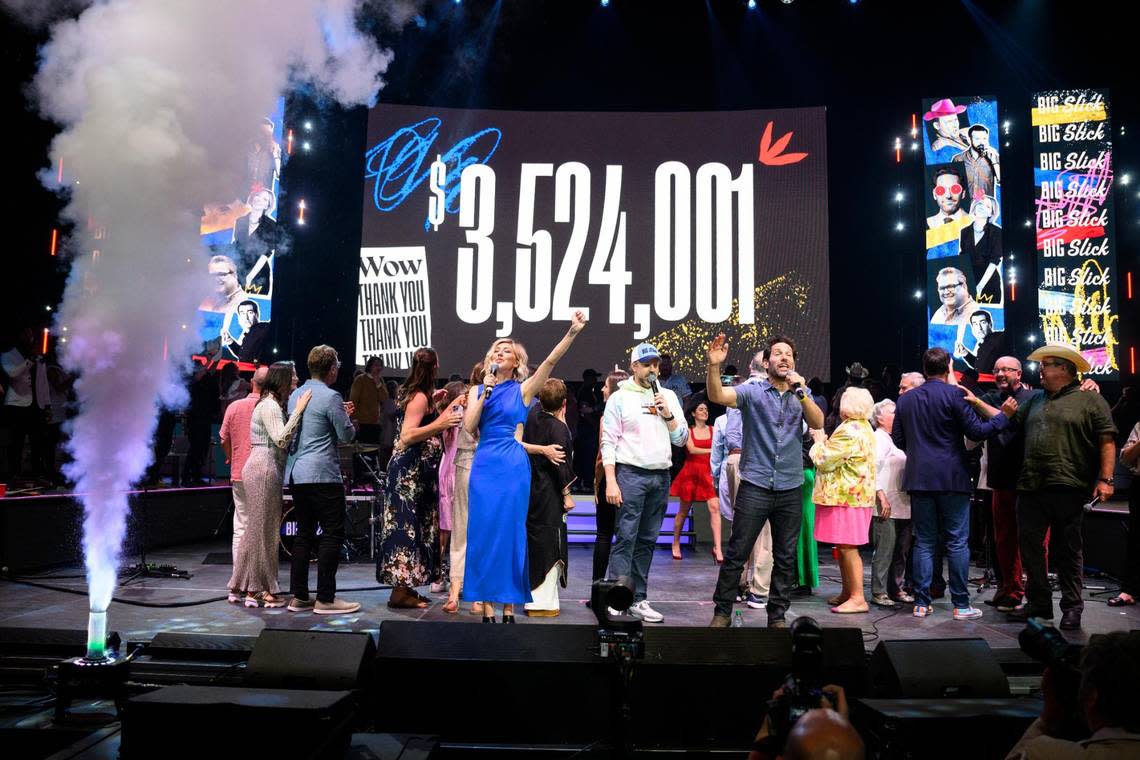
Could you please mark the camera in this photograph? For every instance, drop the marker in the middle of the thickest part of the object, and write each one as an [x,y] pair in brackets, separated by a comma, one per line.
[802,687]
[620,638]
[1045,644]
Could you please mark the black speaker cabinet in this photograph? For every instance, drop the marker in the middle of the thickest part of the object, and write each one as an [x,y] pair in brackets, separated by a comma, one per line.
[311,660]
[211,721]
[937,668]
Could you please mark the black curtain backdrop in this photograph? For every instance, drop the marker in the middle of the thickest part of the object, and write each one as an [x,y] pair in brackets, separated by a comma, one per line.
[870,63]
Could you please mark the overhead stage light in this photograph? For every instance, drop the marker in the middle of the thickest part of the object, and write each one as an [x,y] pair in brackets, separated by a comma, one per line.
[751,5]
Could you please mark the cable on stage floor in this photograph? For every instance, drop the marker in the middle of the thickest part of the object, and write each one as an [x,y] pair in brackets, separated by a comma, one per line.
[156,605]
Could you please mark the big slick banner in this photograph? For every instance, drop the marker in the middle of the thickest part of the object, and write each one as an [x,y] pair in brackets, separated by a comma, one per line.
[663,227]
[1073,177]
[964,255]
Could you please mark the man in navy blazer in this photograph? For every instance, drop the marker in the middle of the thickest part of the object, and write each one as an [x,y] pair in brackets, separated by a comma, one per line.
[930,422]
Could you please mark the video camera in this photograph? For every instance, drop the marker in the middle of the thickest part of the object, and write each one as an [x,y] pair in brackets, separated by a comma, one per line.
[1046,645]
[622,638]
[802,687]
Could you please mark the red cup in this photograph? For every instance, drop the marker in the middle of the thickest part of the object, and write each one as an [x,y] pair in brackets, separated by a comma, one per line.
[3,490]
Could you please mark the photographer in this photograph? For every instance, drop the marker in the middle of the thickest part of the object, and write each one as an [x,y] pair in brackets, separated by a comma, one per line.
[1106,703]
[824,732]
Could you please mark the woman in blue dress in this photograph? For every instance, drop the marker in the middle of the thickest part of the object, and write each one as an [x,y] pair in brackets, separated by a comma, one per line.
[499,489]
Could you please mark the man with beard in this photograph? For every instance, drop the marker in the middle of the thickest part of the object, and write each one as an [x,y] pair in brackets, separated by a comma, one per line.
[1070,455]
[990,344]
[983,170]
[1004,453]
[948,192]
[771,471]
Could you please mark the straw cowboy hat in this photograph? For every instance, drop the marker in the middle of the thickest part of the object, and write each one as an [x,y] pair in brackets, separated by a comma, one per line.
[1061,351]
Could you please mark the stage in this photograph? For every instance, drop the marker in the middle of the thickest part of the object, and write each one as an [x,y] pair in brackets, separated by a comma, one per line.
[682,591]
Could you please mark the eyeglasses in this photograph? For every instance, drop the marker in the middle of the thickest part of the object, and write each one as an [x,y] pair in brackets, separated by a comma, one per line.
[999,370]
[952,286]
[955,189]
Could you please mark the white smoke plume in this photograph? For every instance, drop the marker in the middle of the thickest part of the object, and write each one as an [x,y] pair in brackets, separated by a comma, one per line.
[158,100]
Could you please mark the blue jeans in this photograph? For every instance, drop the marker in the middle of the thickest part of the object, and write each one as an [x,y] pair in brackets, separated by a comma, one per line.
[754,506]
[941,518]
[644,494]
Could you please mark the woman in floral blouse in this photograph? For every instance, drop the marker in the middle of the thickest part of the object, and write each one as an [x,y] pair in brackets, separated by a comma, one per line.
[845,492]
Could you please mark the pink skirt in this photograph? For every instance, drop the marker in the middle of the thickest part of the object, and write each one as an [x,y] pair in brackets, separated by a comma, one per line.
[842,525]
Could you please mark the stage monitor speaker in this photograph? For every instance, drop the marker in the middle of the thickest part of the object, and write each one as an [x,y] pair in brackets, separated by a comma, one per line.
[200,647]
[737,669]
[919,729]
[556,689]
[937,668]
[203,721]
[287,659]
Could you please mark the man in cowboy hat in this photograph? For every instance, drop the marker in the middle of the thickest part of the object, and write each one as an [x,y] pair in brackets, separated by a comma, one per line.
[1070,453]
[944,115]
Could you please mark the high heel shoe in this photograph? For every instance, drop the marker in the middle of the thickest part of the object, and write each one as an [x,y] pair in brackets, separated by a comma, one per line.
[509,619]
[487,619]
[677,553]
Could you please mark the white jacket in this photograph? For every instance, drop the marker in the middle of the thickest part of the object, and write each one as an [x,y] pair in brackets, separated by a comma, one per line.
[633,432]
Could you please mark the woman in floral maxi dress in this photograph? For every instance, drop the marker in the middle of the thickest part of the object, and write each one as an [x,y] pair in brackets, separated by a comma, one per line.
[409,529]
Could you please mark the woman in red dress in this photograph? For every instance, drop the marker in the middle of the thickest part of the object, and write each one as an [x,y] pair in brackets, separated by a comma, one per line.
[694,481]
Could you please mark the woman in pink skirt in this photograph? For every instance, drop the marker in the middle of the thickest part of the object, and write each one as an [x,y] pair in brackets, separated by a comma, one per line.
[456,395]
[844,492]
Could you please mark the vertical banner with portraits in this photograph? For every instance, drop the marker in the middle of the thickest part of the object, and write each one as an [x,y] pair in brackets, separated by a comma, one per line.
[243,237]
[964,255]
[1073,178]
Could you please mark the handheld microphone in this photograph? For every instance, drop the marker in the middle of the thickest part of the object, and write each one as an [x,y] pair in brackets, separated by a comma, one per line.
[652,378]
[492,370]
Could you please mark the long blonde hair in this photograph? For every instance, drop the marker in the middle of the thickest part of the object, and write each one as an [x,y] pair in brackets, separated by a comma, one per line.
[521,370]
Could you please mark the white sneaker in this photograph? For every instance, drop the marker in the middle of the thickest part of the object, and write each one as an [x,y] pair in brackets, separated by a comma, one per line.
[642,611]
[614,613]
[437,588]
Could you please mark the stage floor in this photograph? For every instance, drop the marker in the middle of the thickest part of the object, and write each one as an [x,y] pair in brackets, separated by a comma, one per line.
[681,591]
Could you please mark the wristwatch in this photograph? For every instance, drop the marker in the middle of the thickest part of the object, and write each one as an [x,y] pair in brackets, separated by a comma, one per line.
[668,419]
[1106,481]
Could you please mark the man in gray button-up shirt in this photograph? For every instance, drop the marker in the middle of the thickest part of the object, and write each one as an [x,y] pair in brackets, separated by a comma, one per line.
[771,471]
[313,475]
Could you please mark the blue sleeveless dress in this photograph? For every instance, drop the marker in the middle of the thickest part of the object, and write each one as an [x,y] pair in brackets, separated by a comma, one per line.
[498,497]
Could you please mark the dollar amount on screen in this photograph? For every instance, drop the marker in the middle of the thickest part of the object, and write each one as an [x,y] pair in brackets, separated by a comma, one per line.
[718,205]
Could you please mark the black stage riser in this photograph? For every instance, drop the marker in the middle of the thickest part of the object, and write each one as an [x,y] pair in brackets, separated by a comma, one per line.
[932,729]
[213,721]
[555,689]
[41,532]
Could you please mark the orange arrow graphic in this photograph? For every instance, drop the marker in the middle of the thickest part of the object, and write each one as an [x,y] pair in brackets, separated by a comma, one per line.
[772,154]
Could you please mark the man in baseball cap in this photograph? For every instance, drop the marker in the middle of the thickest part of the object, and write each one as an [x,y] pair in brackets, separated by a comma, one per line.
[641,423]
